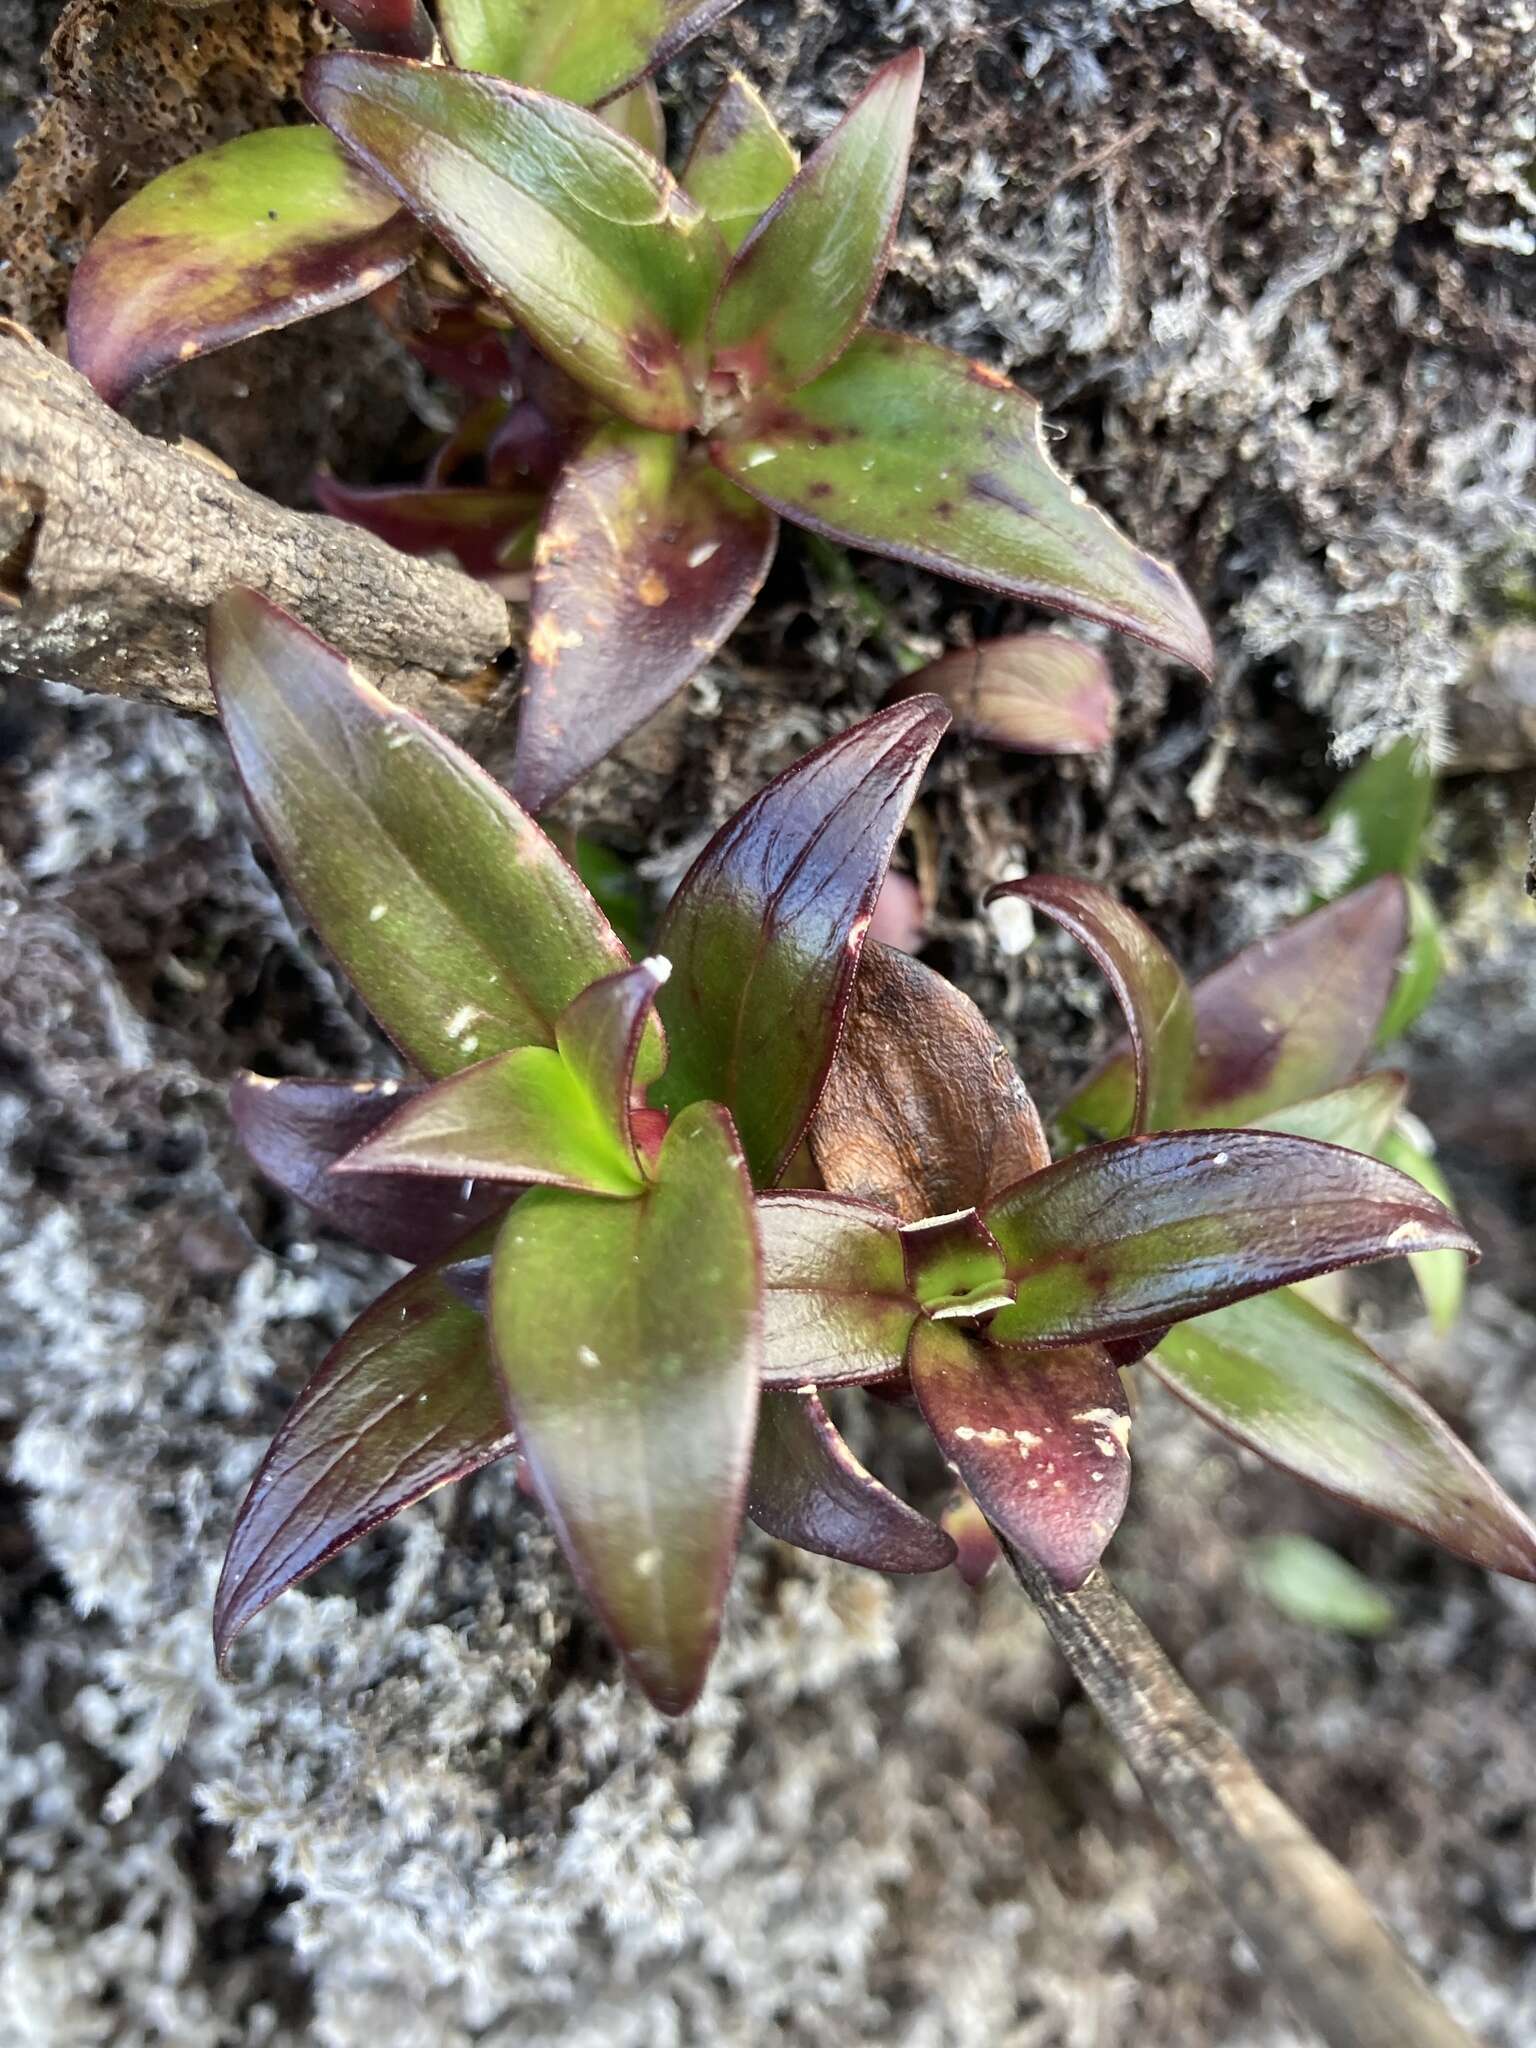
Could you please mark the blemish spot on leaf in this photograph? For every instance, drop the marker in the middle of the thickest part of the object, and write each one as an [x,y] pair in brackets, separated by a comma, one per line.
[651,589]
[549,638]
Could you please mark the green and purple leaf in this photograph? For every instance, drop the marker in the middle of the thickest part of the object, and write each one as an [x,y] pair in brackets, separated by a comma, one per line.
[629,1343]
[914,452]
[955,1266]
[1039,1439]
[604,260]
[520,1116]
[462,928]
[837,1305]
[252,235]
[1306,1393]
[600,1035]
[808,1488]
[585,52]
[647,560]
[740,161]
[765,932]
[1357,1116]
[296,1131]
[1293,1016]
[922,1112]
[1125,1237]
[402,28]
[807,273]
[1033,693]
[405,1402]
[1145,979]
[487,532]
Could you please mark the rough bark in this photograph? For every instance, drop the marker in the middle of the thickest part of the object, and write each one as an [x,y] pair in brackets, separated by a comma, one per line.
[112,545]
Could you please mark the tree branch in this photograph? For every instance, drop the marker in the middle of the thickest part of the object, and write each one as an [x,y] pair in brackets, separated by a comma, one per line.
[112,546]
[1300,1911]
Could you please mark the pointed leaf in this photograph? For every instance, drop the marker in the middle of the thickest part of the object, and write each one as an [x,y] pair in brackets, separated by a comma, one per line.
[1123,1237]
[600,1035]
[647,560]
[804,278]
[1418,969]
[1357,1116]
[917,453]
[297,1130]
[462,928]
[1147,984]
[808,1488]
[1294,1015]
[627,1335]
[740,161]
[837,1307]
[1036,693]
[1040,1439]
[977,1549]
[764,934]
[405,1402]
[922,1112]
[402,27]
[1303,1391]
[1311,1584]
[487,532]
[638,114]
[258,233]
[1384,805]
[519,1116]
[1441,1276]
[605,261]
[584,52]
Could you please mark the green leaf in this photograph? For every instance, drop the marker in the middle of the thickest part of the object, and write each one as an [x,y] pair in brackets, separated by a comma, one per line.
[837,1306]
[1418,969]
[804,278]
[740,161]
[600,1035]
[1441,1276]
[955,1267]
[1301,1390]
[1033,693]
[605,261]
[1293,1016]
[255,234]
[463,930]
[1147,983]
[1356,1116]
[638,114]
[922,1112]
[627,1335]
[1384,805]
[1313,1585]
[583,50]
[1040,1440]
[917,453]
[647,560]
[405,1402]
[1127,1237]
[520,1116]
[765,933]
[808,1488]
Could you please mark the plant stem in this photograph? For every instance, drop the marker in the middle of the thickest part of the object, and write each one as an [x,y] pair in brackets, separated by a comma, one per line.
[1303,1915]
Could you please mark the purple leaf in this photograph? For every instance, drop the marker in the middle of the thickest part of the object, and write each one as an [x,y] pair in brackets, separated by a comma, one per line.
[1123,1237]
[628,1339]
[804,278]
[405,1402]
[401,27]
[459,924]
[911,451]
[765,933]
[1034,693]
[487,532]
[1306,1393]
[808,1488]
[922,1112]
[977,1549]
[647,560]
[1146,981]
[252,235]
[297,1130]
[837,1307]
[1040,1439]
